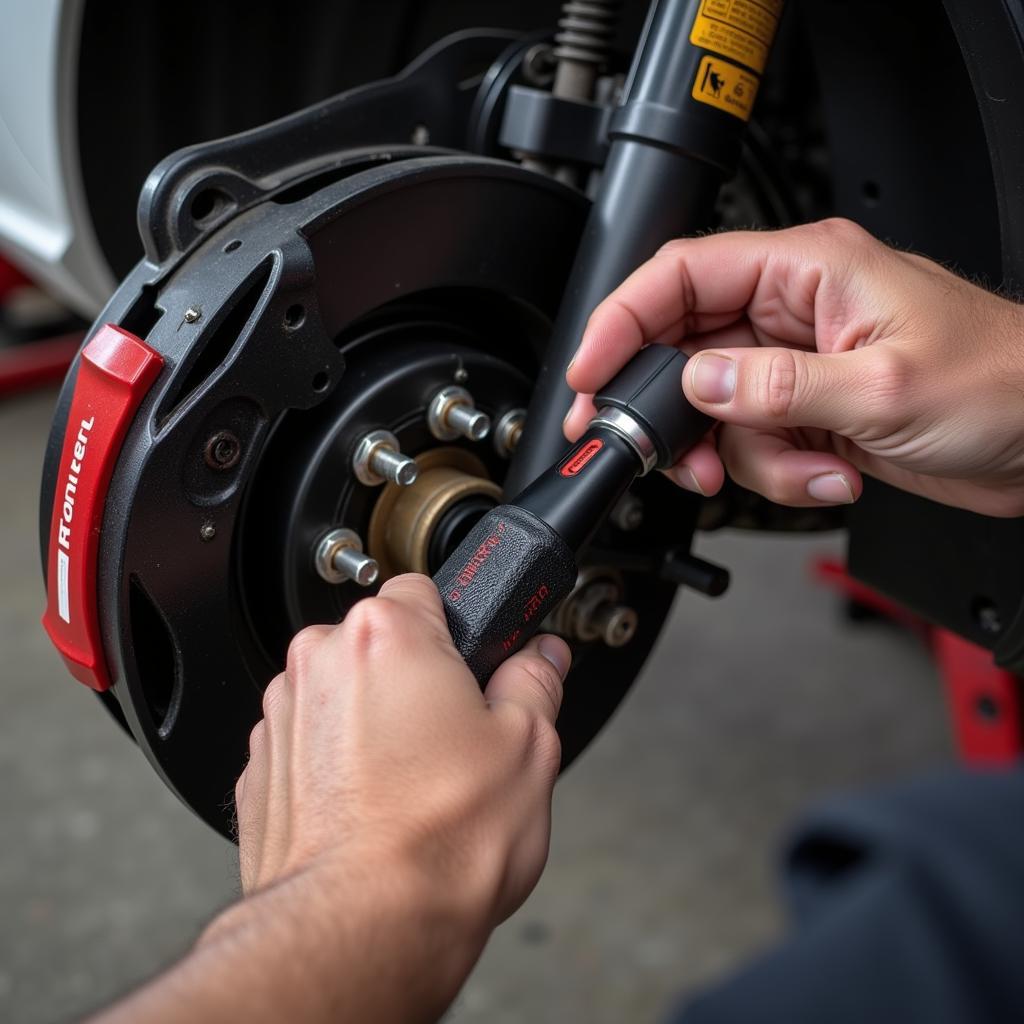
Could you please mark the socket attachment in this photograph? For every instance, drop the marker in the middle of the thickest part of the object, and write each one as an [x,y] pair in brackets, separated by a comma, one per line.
[378,458]
[339,557]
[452,413]
[631,431]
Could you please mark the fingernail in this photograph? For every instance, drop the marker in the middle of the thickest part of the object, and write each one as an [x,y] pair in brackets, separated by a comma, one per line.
[557,652]
[831,487]
[572,362]
[565,418]
[687,479]
[714,378]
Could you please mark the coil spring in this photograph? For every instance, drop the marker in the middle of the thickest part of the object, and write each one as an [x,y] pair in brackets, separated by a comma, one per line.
[587,28]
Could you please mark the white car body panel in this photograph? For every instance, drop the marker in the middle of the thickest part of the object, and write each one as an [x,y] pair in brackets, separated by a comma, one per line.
[44,223]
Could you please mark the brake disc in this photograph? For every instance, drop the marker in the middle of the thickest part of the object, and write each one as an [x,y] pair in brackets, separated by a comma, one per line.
[277,344]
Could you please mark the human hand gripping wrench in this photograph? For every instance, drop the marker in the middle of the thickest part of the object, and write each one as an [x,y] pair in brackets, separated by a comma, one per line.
[519,561]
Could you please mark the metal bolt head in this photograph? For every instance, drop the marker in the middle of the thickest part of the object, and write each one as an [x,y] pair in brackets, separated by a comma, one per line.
[618,624]
[339,557]
[222,450]
[508,431]
[539,65]
[207,531]
[452,413]
[192,314]
[378,458]
[593,611]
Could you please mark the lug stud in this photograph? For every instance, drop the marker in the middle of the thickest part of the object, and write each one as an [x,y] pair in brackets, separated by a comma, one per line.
[340,557]
[508,431]
[452,413]
[378,458]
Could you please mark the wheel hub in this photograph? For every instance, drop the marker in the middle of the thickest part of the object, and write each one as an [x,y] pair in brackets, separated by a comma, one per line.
[415,528]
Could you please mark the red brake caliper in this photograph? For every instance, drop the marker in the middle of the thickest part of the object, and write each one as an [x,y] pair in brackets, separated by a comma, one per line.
[115,371]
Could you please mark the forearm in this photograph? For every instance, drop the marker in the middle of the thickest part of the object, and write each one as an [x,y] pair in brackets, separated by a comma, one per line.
[392,952]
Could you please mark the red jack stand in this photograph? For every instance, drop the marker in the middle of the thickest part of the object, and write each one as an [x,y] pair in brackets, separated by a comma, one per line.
[986,703]
[32,364]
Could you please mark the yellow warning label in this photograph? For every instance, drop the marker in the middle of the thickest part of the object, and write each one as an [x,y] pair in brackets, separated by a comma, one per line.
[739,29]
[725,86]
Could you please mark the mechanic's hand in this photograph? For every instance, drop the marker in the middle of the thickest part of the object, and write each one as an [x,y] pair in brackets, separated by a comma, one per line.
[826,354]
[379,756]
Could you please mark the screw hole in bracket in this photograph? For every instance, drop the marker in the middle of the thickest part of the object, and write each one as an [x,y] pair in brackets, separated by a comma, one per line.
[207,205]
[294,317]
[321,382]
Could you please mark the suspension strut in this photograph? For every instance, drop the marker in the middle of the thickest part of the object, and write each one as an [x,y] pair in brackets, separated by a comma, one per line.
[675,137]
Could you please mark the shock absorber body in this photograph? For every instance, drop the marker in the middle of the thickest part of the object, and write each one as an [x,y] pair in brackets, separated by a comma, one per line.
[674,138]
[519,561]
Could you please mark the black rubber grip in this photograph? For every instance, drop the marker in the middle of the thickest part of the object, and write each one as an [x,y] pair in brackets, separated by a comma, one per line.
[500,583]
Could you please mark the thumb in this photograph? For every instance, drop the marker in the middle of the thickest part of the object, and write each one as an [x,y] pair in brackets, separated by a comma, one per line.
[418,595]
[780,387]
[533,677]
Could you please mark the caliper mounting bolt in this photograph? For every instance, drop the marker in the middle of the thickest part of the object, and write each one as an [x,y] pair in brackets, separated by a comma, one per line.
[378,458]
[222,450]
[452,413]
[340,557]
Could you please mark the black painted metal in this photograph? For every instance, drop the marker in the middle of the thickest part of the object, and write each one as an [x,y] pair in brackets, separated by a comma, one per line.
[553,128]
[198,189]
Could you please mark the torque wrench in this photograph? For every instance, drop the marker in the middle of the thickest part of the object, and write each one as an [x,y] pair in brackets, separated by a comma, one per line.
[519,560]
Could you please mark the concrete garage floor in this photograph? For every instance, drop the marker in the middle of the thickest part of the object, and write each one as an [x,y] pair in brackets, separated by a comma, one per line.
[661,872]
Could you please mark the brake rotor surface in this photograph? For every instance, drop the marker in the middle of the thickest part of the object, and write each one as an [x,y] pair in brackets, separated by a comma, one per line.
[289,334]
